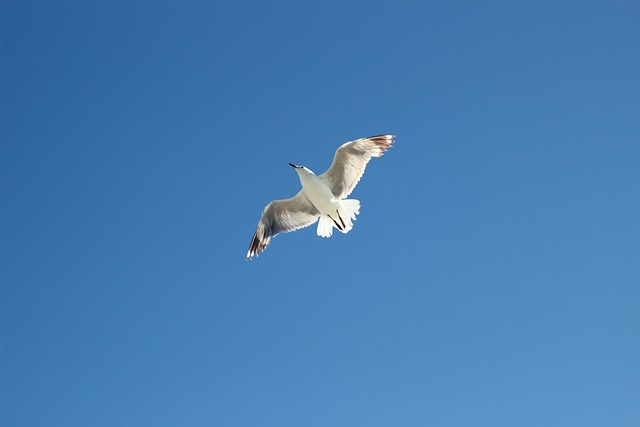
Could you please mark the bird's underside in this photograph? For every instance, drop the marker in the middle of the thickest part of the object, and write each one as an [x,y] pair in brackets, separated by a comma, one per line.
[349,163]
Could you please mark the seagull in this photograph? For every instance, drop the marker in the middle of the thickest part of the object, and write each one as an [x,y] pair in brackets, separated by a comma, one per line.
[322,196]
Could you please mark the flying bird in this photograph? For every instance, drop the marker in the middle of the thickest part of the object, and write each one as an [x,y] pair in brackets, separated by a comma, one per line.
[322,196]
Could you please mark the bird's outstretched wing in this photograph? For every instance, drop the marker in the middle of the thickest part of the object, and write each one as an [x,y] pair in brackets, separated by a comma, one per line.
[282,216]
[350,161]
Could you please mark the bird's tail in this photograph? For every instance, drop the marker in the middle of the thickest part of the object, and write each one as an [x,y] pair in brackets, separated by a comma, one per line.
[347,211]
[342,219]
[325,226]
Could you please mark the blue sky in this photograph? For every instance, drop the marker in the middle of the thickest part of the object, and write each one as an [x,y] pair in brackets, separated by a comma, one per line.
[491,278]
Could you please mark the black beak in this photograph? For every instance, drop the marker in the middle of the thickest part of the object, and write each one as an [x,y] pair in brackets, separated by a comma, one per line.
[293,166]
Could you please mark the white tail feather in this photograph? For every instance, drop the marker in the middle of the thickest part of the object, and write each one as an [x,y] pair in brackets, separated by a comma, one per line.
[342,220]
[348,209]
[325,226]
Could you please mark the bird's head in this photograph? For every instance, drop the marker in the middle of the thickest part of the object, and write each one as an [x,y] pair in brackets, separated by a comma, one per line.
[302,170]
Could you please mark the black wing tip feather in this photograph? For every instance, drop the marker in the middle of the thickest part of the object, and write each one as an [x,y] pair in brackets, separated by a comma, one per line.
[383,142]
[258,244]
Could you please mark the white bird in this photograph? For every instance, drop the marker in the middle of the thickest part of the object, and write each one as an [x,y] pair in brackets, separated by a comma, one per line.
[321,196]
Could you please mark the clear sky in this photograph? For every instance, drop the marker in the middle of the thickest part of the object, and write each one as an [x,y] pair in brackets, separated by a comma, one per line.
[491,279]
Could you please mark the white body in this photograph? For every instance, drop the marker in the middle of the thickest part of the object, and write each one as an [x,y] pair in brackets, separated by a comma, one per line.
[339,213]
[317,191]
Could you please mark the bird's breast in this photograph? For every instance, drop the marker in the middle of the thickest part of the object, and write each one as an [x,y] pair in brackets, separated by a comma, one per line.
[319,193]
